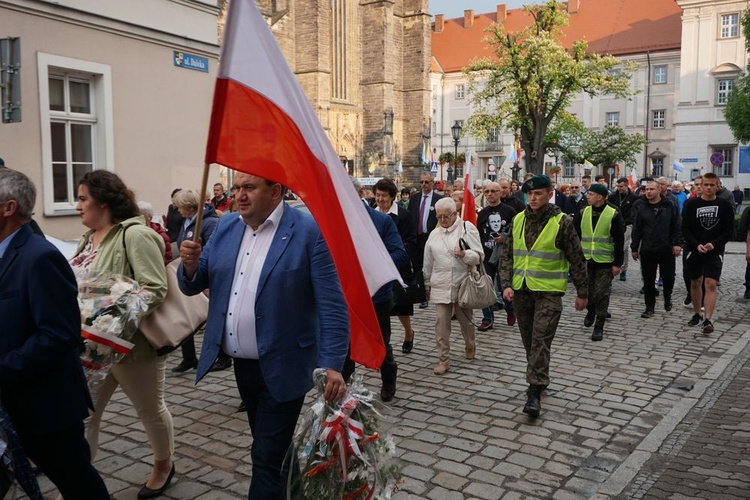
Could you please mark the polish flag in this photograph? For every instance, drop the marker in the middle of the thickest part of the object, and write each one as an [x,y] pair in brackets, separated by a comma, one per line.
[263,124]
[633,179]
[470,207]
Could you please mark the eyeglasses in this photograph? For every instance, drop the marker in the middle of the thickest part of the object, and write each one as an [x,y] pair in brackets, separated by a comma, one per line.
[425,182]
[491,190]
[575,187]
[445,217]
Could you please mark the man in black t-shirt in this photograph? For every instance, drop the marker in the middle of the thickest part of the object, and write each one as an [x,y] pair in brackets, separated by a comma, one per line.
[493,222]
[707,225]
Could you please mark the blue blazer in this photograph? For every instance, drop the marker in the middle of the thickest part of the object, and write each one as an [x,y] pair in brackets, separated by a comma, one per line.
[301,318]
[42,385]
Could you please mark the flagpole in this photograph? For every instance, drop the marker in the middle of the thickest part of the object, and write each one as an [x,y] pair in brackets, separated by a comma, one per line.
[201,203]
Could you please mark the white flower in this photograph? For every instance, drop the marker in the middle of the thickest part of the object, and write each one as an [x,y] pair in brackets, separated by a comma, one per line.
[103,323]
[119,289]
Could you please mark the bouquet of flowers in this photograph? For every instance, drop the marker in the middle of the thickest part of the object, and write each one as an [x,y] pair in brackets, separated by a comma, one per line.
[111,308]
[343,450]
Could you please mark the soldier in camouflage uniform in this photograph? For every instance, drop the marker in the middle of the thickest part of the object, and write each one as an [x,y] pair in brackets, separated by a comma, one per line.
[542,248]
[602,232]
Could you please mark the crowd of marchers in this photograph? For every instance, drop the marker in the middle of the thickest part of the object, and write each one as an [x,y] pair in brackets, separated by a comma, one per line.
[255,252]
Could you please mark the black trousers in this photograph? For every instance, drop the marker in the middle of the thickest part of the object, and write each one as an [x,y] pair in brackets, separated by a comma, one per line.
[665,262]
[389,369]
[65,458]
[188,350]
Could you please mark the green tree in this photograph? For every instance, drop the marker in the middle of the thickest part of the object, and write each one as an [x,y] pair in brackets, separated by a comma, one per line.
[533,77]
[604,148]
[737,110]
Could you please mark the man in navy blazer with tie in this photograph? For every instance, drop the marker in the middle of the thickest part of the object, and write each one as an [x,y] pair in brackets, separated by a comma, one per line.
[42,386]
[277,308]
[422,212]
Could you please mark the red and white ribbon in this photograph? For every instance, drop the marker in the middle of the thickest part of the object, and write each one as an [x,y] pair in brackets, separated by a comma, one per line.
[116,343]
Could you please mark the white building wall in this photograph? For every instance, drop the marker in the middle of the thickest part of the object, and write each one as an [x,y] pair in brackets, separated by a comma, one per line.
[705,56]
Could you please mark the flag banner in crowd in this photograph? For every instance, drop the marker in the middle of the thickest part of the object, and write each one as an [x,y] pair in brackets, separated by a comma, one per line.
[678,167]
[650,166]
[633,179]
[262,124]
[513,158]
[587,164]
[469,212]
[425,159]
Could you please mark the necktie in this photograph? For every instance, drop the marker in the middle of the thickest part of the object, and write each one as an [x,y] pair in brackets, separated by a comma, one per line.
[422,208]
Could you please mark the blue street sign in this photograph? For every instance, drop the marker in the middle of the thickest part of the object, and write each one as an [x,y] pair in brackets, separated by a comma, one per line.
[688,160]
[190,61]
[433,167]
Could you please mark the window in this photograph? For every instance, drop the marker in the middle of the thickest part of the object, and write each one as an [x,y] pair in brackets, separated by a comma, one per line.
[660,74]
[658,164]
[730,25]
[460,91]
[726,168]
[659,118]
[434,128]
[76,115]
[434,92]
[723,88]
[613,119]
[568,167]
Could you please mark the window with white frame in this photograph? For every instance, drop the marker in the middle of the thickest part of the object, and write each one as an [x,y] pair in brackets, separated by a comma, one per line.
[460,91]
[613,119]
[730,25]
[569,168]
[659,118]
[660,74]
[726,168]
[75,100]
[723,87]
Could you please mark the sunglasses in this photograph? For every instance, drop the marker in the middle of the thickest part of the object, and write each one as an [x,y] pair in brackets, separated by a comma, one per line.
[425,182]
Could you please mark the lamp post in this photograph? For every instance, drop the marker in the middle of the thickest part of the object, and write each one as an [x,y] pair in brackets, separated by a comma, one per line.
[456,133]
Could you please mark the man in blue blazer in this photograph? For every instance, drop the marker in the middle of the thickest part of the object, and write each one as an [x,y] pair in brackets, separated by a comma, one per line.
[277,308]
[42,386]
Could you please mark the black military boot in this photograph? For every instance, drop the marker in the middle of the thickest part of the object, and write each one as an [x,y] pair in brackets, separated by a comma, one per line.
[533,402]
[589,319]
[598,330]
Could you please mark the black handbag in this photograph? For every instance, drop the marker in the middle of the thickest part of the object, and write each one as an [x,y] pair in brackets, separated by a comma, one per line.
[414,292]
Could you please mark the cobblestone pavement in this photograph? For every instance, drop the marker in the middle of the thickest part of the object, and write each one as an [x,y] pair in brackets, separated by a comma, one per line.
[611,416]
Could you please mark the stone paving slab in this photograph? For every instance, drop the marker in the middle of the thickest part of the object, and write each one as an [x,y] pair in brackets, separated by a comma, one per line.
[462,435]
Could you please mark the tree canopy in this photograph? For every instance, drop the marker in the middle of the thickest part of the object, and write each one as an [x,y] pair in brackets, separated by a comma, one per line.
[737,110]
[604,148]
[532,79]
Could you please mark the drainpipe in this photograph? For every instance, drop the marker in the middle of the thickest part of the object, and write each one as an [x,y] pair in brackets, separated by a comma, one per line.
[648,108]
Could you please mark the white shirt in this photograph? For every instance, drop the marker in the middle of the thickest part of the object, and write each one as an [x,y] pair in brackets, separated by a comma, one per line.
[428,202]
[240,338]
[393,210]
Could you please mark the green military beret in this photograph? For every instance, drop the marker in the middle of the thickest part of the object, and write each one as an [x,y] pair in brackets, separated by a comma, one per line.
[536,182]
[599,189]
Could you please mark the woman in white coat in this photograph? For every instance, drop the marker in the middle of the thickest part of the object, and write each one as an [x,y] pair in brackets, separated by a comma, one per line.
[446,263]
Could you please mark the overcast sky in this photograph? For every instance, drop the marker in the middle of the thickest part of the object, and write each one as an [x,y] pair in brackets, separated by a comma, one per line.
[455,8]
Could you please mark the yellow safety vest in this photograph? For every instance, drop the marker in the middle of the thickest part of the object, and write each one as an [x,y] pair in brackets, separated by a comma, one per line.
[544,267]
[598,243]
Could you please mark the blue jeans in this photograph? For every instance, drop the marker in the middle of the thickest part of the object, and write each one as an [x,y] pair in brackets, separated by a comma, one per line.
[272,425]
[487,315]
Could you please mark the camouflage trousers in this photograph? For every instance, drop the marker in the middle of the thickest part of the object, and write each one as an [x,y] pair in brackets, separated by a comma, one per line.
[538,314]
[599,289]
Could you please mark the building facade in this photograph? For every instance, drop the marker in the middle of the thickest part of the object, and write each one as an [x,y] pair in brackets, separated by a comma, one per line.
[687,52]
[122,86]
[364,66]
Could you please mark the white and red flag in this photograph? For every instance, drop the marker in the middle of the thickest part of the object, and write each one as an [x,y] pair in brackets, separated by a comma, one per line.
[262,124]
[469,213]
[633,179]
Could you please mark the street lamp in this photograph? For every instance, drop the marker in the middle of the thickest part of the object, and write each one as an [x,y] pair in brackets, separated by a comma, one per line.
[456,133]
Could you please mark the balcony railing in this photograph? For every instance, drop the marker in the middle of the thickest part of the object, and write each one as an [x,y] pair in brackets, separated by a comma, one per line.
[490,146]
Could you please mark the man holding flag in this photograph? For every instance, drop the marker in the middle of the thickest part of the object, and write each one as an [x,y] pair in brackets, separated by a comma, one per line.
[290,264]
[257,265]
